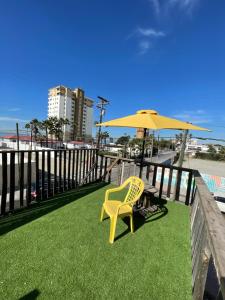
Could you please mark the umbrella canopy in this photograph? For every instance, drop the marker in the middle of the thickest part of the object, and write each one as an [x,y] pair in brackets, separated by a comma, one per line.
[152,120]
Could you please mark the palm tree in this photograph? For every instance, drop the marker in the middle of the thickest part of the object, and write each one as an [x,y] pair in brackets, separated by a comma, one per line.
[179,138]
[27,126]
[48,126]
[44,126]
[58,127]
[74,135]
[51,127]
[62,122]
[34,127]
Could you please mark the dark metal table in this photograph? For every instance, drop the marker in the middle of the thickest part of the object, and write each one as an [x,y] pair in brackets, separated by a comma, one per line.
[148,205]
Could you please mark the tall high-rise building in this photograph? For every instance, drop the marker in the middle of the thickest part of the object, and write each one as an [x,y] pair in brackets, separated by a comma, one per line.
[64,102]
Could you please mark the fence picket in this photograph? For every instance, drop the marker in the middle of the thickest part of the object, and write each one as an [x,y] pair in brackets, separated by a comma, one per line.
[37,185]
[43,173]
[21,178]
[4,182]
[29,178]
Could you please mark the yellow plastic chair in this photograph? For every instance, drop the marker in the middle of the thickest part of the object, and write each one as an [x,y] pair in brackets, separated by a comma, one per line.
[115,208]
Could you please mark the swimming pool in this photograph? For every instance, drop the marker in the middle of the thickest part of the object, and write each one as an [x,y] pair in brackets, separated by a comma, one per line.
[215,184]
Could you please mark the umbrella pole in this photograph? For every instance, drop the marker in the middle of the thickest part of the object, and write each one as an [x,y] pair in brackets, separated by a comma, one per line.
[152,145]
[142,153]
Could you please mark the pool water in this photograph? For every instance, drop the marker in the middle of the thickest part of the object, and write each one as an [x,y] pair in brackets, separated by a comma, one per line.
[215,184]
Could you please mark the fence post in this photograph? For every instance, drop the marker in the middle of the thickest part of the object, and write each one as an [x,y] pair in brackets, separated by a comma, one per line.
[134,169]
[122,173]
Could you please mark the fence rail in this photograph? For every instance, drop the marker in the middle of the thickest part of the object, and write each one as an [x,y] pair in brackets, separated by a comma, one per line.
[32,176]
[208,244]
[35,175]
[171,181]
[207,222]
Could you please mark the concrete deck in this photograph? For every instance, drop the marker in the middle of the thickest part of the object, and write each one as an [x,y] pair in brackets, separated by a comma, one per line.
[206,166]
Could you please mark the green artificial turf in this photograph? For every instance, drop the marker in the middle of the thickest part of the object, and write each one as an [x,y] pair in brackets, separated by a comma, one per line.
[60,250]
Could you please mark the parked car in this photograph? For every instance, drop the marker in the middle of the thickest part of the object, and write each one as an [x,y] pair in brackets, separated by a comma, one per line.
[137,161]
[220,202]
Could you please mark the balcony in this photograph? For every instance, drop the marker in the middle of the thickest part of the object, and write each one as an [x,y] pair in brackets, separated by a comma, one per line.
[60,250]
[54,246]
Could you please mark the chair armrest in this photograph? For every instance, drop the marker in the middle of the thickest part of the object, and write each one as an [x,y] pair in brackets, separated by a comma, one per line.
[125,203]
[113,190]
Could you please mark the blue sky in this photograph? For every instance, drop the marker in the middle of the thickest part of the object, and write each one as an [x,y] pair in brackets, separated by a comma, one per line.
[140,54]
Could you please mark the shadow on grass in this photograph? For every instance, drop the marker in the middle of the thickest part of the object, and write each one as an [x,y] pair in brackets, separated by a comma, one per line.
[40,209]
[31,295]
[140,220]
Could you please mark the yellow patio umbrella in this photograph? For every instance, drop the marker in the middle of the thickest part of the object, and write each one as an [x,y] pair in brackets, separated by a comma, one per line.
[150,119]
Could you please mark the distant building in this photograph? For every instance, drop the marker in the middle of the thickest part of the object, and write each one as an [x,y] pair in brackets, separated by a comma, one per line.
[193,146]
[64,102]
[140,133]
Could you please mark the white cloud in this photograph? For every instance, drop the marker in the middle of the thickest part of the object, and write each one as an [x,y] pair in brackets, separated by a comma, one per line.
[150,32]
[164,7]
[156,6]
[183,3]
[186,6]
[196,117]
[14,109]
[200,111]
[12,119]
[145,38]
[144,47]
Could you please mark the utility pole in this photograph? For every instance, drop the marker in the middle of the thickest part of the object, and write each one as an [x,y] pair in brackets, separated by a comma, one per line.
[181,158]
[101,105]
[152,145]
[182,150]
[158,148]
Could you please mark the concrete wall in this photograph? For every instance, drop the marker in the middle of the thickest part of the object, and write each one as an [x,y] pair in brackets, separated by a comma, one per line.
[22,145]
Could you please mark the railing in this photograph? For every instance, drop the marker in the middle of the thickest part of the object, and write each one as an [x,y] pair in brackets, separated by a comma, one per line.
[208,244]
[207,222]
[171,181]
[36,175]
[32,176]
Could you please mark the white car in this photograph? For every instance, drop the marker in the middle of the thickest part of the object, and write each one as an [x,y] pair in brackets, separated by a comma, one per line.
[220,200]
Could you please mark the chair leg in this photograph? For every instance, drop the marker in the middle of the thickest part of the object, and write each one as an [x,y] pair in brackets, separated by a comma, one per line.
[102,213]
[131,223]
[113,221]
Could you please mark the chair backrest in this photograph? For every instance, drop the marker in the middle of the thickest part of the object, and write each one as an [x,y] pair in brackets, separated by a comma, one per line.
[136,188]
